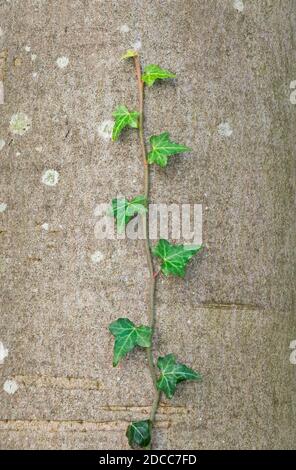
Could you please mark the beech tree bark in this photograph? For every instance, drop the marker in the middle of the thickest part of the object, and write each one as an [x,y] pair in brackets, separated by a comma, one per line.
[233,317]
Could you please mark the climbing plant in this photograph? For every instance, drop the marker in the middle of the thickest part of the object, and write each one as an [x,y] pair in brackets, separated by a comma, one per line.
[167,373]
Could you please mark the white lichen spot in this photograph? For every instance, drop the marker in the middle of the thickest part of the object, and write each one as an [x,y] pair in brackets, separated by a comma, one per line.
[39,148]
[1,92]
[35,75]
[293,94]
[97,257]
[33,57]
[45,226]
[50,177]
[105,129]
[62,62]
[18,154]
[10,386]
[20,123]
[27,48]
[124,28]
[3,352]
[224,129]
[238,5]
[2,143]
[3,206]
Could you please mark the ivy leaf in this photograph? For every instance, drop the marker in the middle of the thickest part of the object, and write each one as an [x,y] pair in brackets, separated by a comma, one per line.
[124,210]
[129,53]
[174,257]
[153,72]
[139,433]
[162,147]
[124,118]
[172,373]
[118,210]
[137,206]
[127,336]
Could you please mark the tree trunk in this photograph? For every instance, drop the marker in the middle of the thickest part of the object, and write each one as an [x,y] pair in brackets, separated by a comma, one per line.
[233,316]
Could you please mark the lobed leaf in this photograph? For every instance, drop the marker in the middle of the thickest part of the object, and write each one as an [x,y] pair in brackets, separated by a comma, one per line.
[172,373]
[136,206]
[139,433]
[127,336]
[153,72]
[174,257]
[124,118]
[162,147]
[123,210]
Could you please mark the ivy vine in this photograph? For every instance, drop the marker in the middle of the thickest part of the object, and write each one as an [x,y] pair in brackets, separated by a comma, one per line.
[167,373]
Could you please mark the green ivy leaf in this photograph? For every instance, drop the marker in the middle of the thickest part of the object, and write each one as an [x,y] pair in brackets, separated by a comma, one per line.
[174,257]
[139,433]
[162,147]
[153,72]
[124,118]
[129,53]
[127,336]
[123,210]
[173,372]
[136,206]
[118,210]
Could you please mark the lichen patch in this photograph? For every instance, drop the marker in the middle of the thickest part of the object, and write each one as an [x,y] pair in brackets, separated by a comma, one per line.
[3,206]
[10,386]
[225,129]
[97,257]
[50,177]
[1,92]
[124,28]
[3,352]
[238,5]
[62,62]
[20,123]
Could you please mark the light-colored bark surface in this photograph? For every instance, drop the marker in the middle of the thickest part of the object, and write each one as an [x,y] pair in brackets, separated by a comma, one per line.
[233,317]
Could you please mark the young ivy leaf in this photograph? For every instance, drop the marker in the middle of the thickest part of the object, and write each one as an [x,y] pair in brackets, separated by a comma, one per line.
[124,118]
[127,336]
[174,257]
[139,433]
[162,147]
[124,210]
[173,372]
[153,72]
[129,53]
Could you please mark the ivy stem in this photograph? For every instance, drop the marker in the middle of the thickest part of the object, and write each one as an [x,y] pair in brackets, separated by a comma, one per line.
[152,274]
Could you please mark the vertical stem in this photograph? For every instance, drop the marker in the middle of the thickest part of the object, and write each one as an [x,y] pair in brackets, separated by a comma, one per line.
[152,276]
